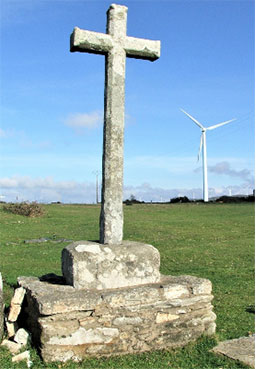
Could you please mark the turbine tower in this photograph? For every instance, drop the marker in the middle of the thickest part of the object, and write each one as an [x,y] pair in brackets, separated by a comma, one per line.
[203,144]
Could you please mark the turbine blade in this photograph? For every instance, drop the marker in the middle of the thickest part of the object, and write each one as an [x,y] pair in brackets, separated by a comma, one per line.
[220,124]
[200,148]
[193,119]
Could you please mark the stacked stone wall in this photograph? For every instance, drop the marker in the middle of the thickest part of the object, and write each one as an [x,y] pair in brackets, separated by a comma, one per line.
[73,324]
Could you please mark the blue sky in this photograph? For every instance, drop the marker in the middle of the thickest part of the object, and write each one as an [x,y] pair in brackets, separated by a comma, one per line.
[52,100]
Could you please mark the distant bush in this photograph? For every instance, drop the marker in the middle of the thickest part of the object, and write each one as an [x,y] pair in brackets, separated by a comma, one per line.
[236,199]
[32,209]
[132,201]
[179,199]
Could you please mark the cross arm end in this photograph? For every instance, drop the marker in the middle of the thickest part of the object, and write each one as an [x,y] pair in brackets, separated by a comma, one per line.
[142,49]
[90,42]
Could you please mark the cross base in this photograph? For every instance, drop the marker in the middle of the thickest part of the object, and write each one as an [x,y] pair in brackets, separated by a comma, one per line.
[72,324]
[88,264]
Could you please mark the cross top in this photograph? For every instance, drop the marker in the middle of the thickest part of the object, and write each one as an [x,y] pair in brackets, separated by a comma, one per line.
[115,45]
[115,37]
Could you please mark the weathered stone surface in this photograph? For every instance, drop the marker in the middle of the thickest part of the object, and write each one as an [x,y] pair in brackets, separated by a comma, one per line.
[1,309]
[165,317]
[14,312]
[18,296]
[21,336]
[13,347]
[70,323]
[15,305]
[21,357]
[11,328]
[55,299]
[93,265]
[116,45]
[242,349]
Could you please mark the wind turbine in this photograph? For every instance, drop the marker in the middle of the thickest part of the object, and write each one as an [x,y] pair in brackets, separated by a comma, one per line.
[203,144]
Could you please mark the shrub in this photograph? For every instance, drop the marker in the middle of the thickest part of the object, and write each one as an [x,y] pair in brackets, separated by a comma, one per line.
[32,209]
[179,199]
[236,199]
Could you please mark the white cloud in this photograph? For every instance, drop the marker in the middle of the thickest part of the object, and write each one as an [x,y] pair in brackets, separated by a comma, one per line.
[48,190]
[83,121]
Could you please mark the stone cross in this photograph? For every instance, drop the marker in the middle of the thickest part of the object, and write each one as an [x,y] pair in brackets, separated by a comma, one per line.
[115,45]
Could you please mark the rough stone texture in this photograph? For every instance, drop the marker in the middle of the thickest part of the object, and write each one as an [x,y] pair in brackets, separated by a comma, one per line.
[21,336]
[15,305]
[13,347]
[242,349]
[1,309]
[18,296]
[93,265]
[69,323]
[11,328]
[14,312]
[20,357]
[116,45]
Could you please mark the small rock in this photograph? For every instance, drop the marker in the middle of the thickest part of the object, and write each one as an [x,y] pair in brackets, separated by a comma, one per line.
[21,336]
[11,328]
[20,357]
[13,347]
[14,313]
[18,296]
[37,240]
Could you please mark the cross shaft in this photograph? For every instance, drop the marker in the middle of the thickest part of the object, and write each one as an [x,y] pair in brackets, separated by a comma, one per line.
[115,45]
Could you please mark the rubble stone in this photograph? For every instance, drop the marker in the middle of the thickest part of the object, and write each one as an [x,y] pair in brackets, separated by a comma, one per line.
[11,328]
[18,296]
[20,357]
[13,347]
[21,336]
[14,312]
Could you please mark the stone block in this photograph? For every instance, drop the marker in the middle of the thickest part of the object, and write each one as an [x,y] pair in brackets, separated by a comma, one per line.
[20,357]
[18,296]
[21,336]
[72,324]
[14,312]
[87,265]
[241,349]
[13,347]
[11,328]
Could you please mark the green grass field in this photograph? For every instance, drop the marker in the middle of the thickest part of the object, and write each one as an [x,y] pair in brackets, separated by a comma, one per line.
[214,241]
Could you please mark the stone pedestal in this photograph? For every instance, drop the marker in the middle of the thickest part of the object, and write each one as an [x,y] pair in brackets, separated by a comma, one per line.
[112,300]
[71,324]
[93,265]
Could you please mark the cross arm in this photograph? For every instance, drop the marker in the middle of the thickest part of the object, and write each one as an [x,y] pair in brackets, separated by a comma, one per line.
[141,48]
[90,42]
